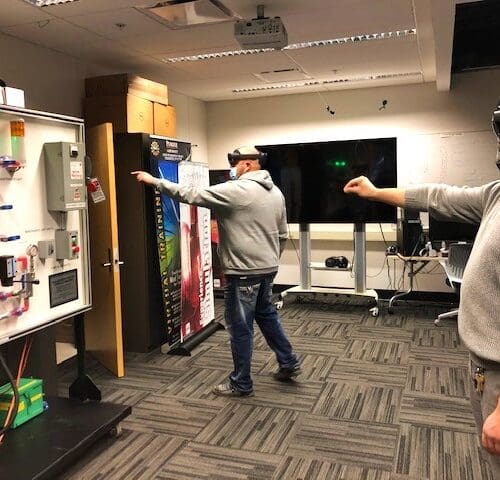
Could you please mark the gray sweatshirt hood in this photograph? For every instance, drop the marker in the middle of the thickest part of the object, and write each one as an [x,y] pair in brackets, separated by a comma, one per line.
[262,177]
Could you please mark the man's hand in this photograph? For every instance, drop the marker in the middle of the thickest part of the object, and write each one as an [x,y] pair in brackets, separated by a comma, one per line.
[491,432]
[144,177]
[362,187]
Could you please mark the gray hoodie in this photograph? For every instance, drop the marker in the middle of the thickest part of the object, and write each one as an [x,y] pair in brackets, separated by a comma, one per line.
[479,310]
[251,217]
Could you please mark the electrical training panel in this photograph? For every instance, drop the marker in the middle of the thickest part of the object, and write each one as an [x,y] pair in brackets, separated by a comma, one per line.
[44,260]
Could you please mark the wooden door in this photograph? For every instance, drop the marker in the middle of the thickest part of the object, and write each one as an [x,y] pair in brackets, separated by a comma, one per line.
[103,324]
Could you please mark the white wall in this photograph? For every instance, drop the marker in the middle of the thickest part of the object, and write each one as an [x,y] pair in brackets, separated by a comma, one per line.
[51,81]
[191,123]
[55,82]
[415,114]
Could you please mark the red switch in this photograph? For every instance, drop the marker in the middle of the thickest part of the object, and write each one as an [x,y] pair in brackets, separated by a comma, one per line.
[93,185]
[23,263]
[75,249]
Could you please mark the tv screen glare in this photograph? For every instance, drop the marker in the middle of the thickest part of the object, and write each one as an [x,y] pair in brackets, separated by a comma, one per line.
[312,176]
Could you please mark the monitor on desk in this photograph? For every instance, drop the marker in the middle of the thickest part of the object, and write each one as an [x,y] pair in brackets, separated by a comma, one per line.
[450,232]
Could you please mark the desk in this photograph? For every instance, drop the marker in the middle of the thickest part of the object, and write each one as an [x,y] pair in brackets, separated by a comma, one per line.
[416,264]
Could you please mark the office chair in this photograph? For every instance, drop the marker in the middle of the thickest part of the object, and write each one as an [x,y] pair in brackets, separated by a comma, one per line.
[454,266]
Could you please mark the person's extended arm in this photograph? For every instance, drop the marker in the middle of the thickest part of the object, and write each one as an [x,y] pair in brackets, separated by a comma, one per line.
[216,197]
[445,202]
[362,187]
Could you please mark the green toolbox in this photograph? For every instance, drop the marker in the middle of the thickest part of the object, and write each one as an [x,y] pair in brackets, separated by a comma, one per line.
[30,400]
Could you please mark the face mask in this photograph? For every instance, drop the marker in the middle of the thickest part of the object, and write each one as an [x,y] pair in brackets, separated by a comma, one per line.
[232,174]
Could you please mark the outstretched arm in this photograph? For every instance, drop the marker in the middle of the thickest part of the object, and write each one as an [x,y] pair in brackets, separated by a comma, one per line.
[364,188]
[222,196]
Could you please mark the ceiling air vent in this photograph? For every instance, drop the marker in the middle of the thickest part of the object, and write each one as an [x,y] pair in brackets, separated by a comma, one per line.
[282,75]
[177,14]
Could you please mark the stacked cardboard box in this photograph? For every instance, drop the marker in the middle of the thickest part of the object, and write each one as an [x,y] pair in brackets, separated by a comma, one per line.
[131,103]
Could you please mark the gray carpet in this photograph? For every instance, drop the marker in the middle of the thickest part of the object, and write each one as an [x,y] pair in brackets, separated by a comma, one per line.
[381,398]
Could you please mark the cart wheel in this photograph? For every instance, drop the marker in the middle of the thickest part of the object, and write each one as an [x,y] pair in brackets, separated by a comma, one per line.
[116,431]
[279,304]
[437,322]
[374,311]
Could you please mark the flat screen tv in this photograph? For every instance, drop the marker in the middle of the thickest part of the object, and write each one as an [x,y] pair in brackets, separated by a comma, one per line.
[312,176]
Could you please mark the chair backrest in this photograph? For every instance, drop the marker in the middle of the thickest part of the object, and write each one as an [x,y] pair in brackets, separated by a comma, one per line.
[458,255]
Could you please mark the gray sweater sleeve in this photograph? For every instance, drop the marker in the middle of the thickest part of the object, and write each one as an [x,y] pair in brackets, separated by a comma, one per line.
[445,202]
[217,197]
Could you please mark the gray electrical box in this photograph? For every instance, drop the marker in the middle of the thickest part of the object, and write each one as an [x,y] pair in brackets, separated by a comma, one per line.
[46,249]
[65,176]
[67,244]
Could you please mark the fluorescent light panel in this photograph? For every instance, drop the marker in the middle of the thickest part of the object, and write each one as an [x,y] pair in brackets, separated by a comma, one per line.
[48,3]
[314,83]
[296,46]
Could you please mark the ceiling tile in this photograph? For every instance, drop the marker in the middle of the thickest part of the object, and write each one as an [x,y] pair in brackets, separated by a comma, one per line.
[132,24]
[55,34]
[235,66]
[206,37]
[87,7]
[395,55]
[17,12]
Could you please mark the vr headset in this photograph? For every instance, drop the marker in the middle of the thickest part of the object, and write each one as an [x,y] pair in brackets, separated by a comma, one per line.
[236,156]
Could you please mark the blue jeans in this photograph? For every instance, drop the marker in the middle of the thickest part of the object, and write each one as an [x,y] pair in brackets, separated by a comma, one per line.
[247,298]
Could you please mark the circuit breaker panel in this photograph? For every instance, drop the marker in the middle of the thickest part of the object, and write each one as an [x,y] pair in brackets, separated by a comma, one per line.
[65,176]
[44,260]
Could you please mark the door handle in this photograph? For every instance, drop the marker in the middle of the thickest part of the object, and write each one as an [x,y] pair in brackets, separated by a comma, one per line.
[119,262]
[107,264]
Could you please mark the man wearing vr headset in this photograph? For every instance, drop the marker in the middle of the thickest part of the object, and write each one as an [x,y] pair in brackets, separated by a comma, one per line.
[251,218]
[479,310]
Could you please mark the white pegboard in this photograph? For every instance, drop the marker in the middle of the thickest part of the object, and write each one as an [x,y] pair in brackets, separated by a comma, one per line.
[25,190]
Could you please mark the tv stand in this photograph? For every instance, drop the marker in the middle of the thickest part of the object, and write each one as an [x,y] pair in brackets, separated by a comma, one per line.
[306,266]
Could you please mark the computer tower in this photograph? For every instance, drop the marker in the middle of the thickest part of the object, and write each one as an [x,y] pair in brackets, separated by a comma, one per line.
[410,236]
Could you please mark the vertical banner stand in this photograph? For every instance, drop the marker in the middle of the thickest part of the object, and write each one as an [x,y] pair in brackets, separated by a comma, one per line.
[184,348]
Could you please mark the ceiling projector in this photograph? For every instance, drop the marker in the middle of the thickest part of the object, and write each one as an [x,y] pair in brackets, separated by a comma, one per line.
[261,32]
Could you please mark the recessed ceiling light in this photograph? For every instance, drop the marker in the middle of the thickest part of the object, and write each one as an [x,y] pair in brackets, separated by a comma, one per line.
[48,3]
[315,83]
[211,56]
[296,46]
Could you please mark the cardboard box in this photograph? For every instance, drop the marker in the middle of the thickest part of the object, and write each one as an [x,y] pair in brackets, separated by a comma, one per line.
[123,84]
[12,96]
[165,120]
[127,113]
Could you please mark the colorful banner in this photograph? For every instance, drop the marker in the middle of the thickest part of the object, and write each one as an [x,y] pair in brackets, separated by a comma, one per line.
[167,229]
[197,303]
[184,249]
